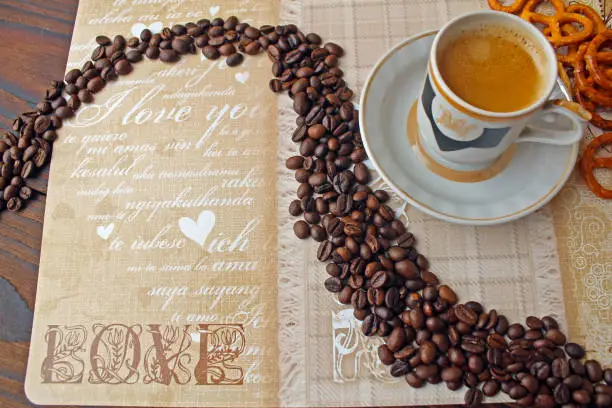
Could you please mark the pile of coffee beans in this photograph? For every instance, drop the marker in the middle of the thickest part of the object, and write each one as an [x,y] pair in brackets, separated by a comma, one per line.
[372,261]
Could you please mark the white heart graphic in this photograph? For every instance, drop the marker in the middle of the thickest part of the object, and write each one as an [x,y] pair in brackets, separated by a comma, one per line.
[154,27]
[198,231]
[242,77]
[213,10]
[105,231]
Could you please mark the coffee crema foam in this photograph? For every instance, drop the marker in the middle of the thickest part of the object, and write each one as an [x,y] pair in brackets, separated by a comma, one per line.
[494,68]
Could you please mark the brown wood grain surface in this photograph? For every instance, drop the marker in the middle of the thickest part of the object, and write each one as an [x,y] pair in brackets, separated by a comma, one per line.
[34,41]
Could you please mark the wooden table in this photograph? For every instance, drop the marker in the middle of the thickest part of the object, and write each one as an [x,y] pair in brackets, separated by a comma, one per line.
[35,38]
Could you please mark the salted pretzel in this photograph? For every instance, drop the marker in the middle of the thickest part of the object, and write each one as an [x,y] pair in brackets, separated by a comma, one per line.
[586,85]
[513,8]
[593,61]
[596,118]
[556,21]
[589,162]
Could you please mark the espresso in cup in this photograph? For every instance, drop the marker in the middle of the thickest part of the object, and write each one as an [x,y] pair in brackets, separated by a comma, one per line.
[494,68]
[488,79]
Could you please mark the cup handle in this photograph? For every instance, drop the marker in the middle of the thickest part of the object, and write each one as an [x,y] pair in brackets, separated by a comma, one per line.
[544,127]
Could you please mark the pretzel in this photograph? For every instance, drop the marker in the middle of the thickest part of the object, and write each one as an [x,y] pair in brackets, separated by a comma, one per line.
[596,118]
[556,21]
[513,8]
[591,14]
[585,85]
[589,162]
[592,60]
[570,56]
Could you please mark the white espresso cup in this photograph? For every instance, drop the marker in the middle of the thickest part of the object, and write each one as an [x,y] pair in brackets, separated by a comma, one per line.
[462,137]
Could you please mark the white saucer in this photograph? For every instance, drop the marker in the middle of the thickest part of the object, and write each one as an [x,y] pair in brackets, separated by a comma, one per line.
[532,178]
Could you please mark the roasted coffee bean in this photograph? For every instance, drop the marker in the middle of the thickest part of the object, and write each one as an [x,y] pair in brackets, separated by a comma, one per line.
[343,182]
[316,179]
[299,133]
[362,174]
[122,67]
[472,344]
[574,350]
[301,103]
[406,240]
[556,336]
[234,59]
[417,318]
[385,355]
[560,368]
[502,325]
[602,400]
[361,314]
[212,53]
[369,325]
[307,147]
[359,298]
[152,53]
[534,323]
[333,270]
[307,204]
[384,313]
[607,376]
[577,367]
[430,293]
[427,352]
[399,368]
[407,269]
[14,204]
[335,227]
[64,112]
[25,192]
[593,370]
[168,55]
[345,295]
[325,250]
[452,374]
[530,383]
[344,204]
[490,388]
[72,76]
[42,123]
[516,331]
[573,382]
[473,397]
[392,298]
[295,208]
[301,229]
[312,217]
[334,49]
[562,394]
[425,372]
[466,315]
[397,339]
[495,340]
[294,162]
[549,323]
[456,356]
[333,284]
[444,291]
[318,233]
